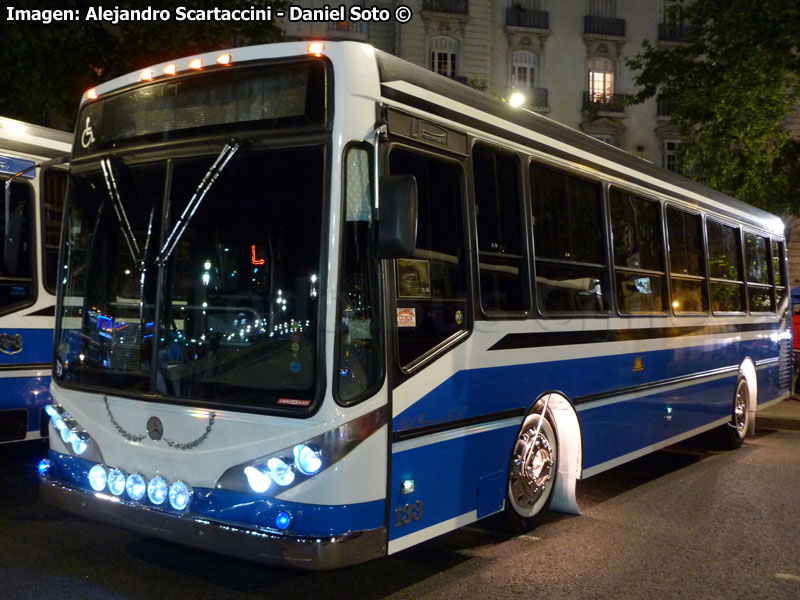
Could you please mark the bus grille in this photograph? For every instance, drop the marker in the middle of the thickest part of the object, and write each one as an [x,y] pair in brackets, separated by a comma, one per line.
[785,365]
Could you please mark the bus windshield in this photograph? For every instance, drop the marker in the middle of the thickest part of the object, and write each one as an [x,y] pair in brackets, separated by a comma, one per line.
[180,285]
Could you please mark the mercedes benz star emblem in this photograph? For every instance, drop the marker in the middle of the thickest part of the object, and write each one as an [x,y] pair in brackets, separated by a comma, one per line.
[155,428]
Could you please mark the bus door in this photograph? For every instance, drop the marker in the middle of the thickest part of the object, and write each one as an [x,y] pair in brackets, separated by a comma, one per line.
[430,313]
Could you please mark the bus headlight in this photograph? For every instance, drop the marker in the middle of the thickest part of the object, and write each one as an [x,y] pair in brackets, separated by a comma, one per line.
[295,464]
[72,434]
[307,459]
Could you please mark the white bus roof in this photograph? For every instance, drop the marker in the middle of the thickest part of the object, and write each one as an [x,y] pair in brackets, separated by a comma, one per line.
[25,138]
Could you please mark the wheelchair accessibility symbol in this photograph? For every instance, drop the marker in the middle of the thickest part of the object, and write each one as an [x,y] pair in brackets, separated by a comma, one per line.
[87,137]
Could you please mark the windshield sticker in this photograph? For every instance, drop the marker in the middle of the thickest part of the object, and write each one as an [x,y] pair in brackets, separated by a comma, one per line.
[406,317]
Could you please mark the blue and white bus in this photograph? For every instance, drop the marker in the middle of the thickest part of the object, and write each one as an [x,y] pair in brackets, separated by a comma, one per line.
[320,305]
[30,224]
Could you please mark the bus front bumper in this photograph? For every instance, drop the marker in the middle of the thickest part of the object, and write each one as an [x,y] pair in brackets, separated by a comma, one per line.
[218,537]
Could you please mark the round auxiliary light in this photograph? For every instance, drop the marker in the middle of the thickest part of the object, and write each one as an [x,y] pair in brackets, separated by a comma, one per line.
[43,467]
[116,482]
[307,459]
[79,444]
[259,480]
[179,495]
[58,423]
[52,412]
[157,490]
[98,476]
[282,520]
[280,472]
[136,486]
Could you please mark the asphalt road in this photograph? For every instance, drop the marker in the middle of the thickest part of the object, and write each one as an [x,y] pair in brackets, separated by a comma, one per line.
[683,523]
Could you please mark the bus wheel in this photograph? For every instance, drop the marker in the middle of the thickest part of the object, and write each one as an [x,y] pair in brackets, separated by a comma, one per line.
[532,473]
[732,435]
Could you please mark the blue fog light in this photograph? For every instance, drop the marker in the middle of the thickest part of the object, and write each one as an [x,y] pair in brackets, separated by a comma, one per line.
[280,472]
[259,480]
[116,482]
[136,486]
[179,495]
[307,459]
[157,490]
[98,477]
[283,520]
[43,467]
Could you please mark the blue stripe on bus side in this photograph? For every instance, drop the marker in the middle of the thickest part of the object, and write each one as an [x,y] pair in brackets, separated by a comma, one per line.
[30,393]
[308,520]
[447,477]
[475,392]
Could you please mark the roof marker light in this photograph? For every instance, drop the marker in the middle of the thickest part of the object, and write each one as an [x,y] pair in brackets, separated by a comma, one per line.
[146,75]
[224,59]
[316,48]
[196,64]
[92,94]
[171,69]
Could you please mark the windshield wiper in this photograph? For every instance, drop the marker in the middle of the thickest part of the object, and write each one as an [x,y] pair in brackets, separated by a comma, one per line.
[197,198]
[119,210]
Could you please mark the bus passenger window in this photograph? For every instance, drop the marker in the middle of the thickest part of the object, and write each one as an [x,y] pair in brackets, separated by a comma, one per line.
[16,279]
[686,259]
[569,243]
[725,267]
[358,365]
[778,261]
[759,288]
[432,303]
[501,231]
[638,253]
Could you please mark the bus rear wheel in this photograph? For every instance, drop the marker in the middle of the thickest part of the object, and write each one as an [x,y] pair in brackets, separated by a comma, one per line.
[732,435]
[532,474]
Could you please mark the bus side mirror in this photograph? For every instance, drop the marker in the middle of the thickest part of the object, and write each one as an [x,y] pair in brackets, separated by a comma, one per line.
[397,216]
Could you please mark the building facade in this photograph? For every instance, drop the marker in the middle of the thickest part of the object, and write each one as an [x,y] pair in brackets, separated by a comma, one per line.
[567,57]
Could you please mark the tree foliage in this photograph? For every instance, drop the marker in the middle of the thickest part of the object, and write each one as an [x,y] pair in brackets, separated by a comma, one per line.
[731,87]
[46,68]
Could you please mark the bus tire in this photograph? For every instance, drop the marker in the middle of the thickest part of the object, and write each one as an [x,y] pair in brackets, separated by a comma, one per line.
[732,434]
[532,474]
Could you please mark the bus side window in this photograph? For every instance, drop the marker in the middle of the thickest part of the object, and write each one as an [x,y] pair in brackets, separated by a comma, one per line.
[638,254]
[359,365]
[759,288]
[686,262]
[778,261]
[54,186]
[569,242]
[725,267]
[432,303]
[16,269]
[501,231]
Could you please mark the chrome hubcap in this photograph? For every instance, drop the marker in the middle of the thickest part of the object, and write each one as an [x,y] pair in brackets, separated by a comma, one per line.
[740,408]
[531,468]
